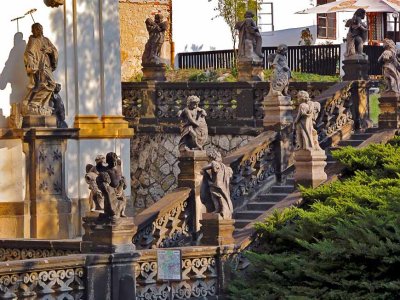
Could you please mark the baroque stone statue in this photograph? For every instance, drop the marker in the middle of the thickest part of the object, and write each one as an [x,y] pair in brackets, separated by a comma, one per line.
[194,130]
[214,191]
[281,71]
[152,50]
[391,66]
[306,135]
[250,40]
[110,183]
[357,35]
[41,58]
[58,107]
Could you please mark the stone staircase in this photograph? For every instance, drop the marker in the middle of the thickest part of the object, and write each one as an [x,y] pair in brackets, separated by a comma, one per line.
[278,192]
[263,202]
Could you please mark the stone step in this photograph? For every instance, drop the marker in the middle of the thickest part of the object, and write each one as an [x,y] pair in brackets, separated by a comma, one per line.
[361,136]
[260,205]
[272,197]
[282,189]
[248,214]
[290,181]
[242,223]
[353,143]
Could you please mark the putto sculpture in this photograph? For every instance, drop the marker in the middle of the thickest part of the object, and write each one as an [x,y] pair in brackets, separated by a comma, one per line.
[107,186]
[156,29]
[357,35]
[281,72]
[214,192]
[306,135]
[194,130]
[250,40]
[391,66]
[58,107]
[41,58]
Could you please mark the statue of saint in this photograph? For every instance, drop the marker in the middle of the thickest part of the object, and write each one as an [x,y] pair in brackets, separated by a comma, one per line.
[214,191]
[194,130]
[152,50]
[250,40]
[306,135]
[391,66]
[41,58]
[281,71]
[357,35]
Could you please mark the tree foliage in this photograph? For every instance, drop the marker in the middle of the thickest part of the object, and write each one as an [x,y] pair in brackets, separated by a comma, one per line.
[343,244]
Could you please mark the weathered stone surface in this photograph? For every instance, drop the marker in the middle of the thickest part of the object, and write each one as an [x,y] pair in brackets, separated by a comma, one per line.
[155,166]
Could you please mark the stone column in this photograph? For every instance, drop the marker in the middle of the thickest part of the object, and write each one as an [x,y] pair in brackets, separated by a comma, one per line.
[191,163]
[278,116]
[51,215]
[389,117]
[356,68]
[216,230]
[250,71]
[309,167]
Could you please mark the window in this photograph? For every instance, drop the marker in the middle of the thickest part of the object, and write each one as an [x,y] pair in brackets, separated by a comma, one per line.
[326,23]
[265,16]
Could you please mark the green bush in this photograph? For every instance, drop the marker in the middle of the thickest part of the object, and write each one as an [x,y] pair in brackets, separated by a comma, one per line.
[343,244]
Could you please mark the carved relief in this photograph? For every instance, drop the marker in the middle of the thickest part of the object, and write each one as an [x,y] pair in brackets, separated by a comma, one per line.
[50,168]
[8,254]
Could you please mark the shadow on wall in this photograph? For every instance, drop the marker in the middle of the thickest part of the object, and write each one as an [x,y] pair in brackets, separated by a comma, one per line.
[14,72]
[87,52]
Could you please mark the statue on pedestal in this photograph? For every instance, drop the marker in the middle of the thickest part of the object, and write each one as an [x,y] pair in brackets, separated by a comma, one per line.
[281,71]
[357,35]
[391,66]
[107,187]
[194,130]
[306,135]
[214,192]
[152,50]
[41,58]
[250,40]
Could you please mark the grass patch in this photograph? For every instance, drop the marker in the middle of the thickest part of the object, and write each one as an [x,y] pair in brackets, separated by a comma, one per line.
[374,107]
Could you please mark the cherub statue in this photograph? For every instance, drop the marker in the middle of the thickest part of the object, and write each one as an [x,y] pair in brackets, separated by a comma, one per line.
[250,40]
[194,130]
[110,165]
[306,135]
[281,71]
[391,66]
[214,192]
[96,198]
[58,107]
[152,50]
[357,35]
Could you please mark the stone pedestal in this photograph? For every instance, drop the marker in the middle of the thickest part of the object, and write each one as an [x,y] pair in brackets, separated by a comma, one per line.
[278,111]
[106,237]
[309,167]
[51,214]
[250,71]
[356,67]
[154,72]
[39,121]
[216,231]
[191,162]
[389,117]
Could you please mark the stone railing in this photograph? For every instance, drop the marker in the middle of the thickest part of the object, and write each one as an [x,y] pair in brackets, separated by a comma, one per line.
[50,278]
[201,275]
[167,223]
[344,108]
[151,107]
[32,249]
[253,165]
